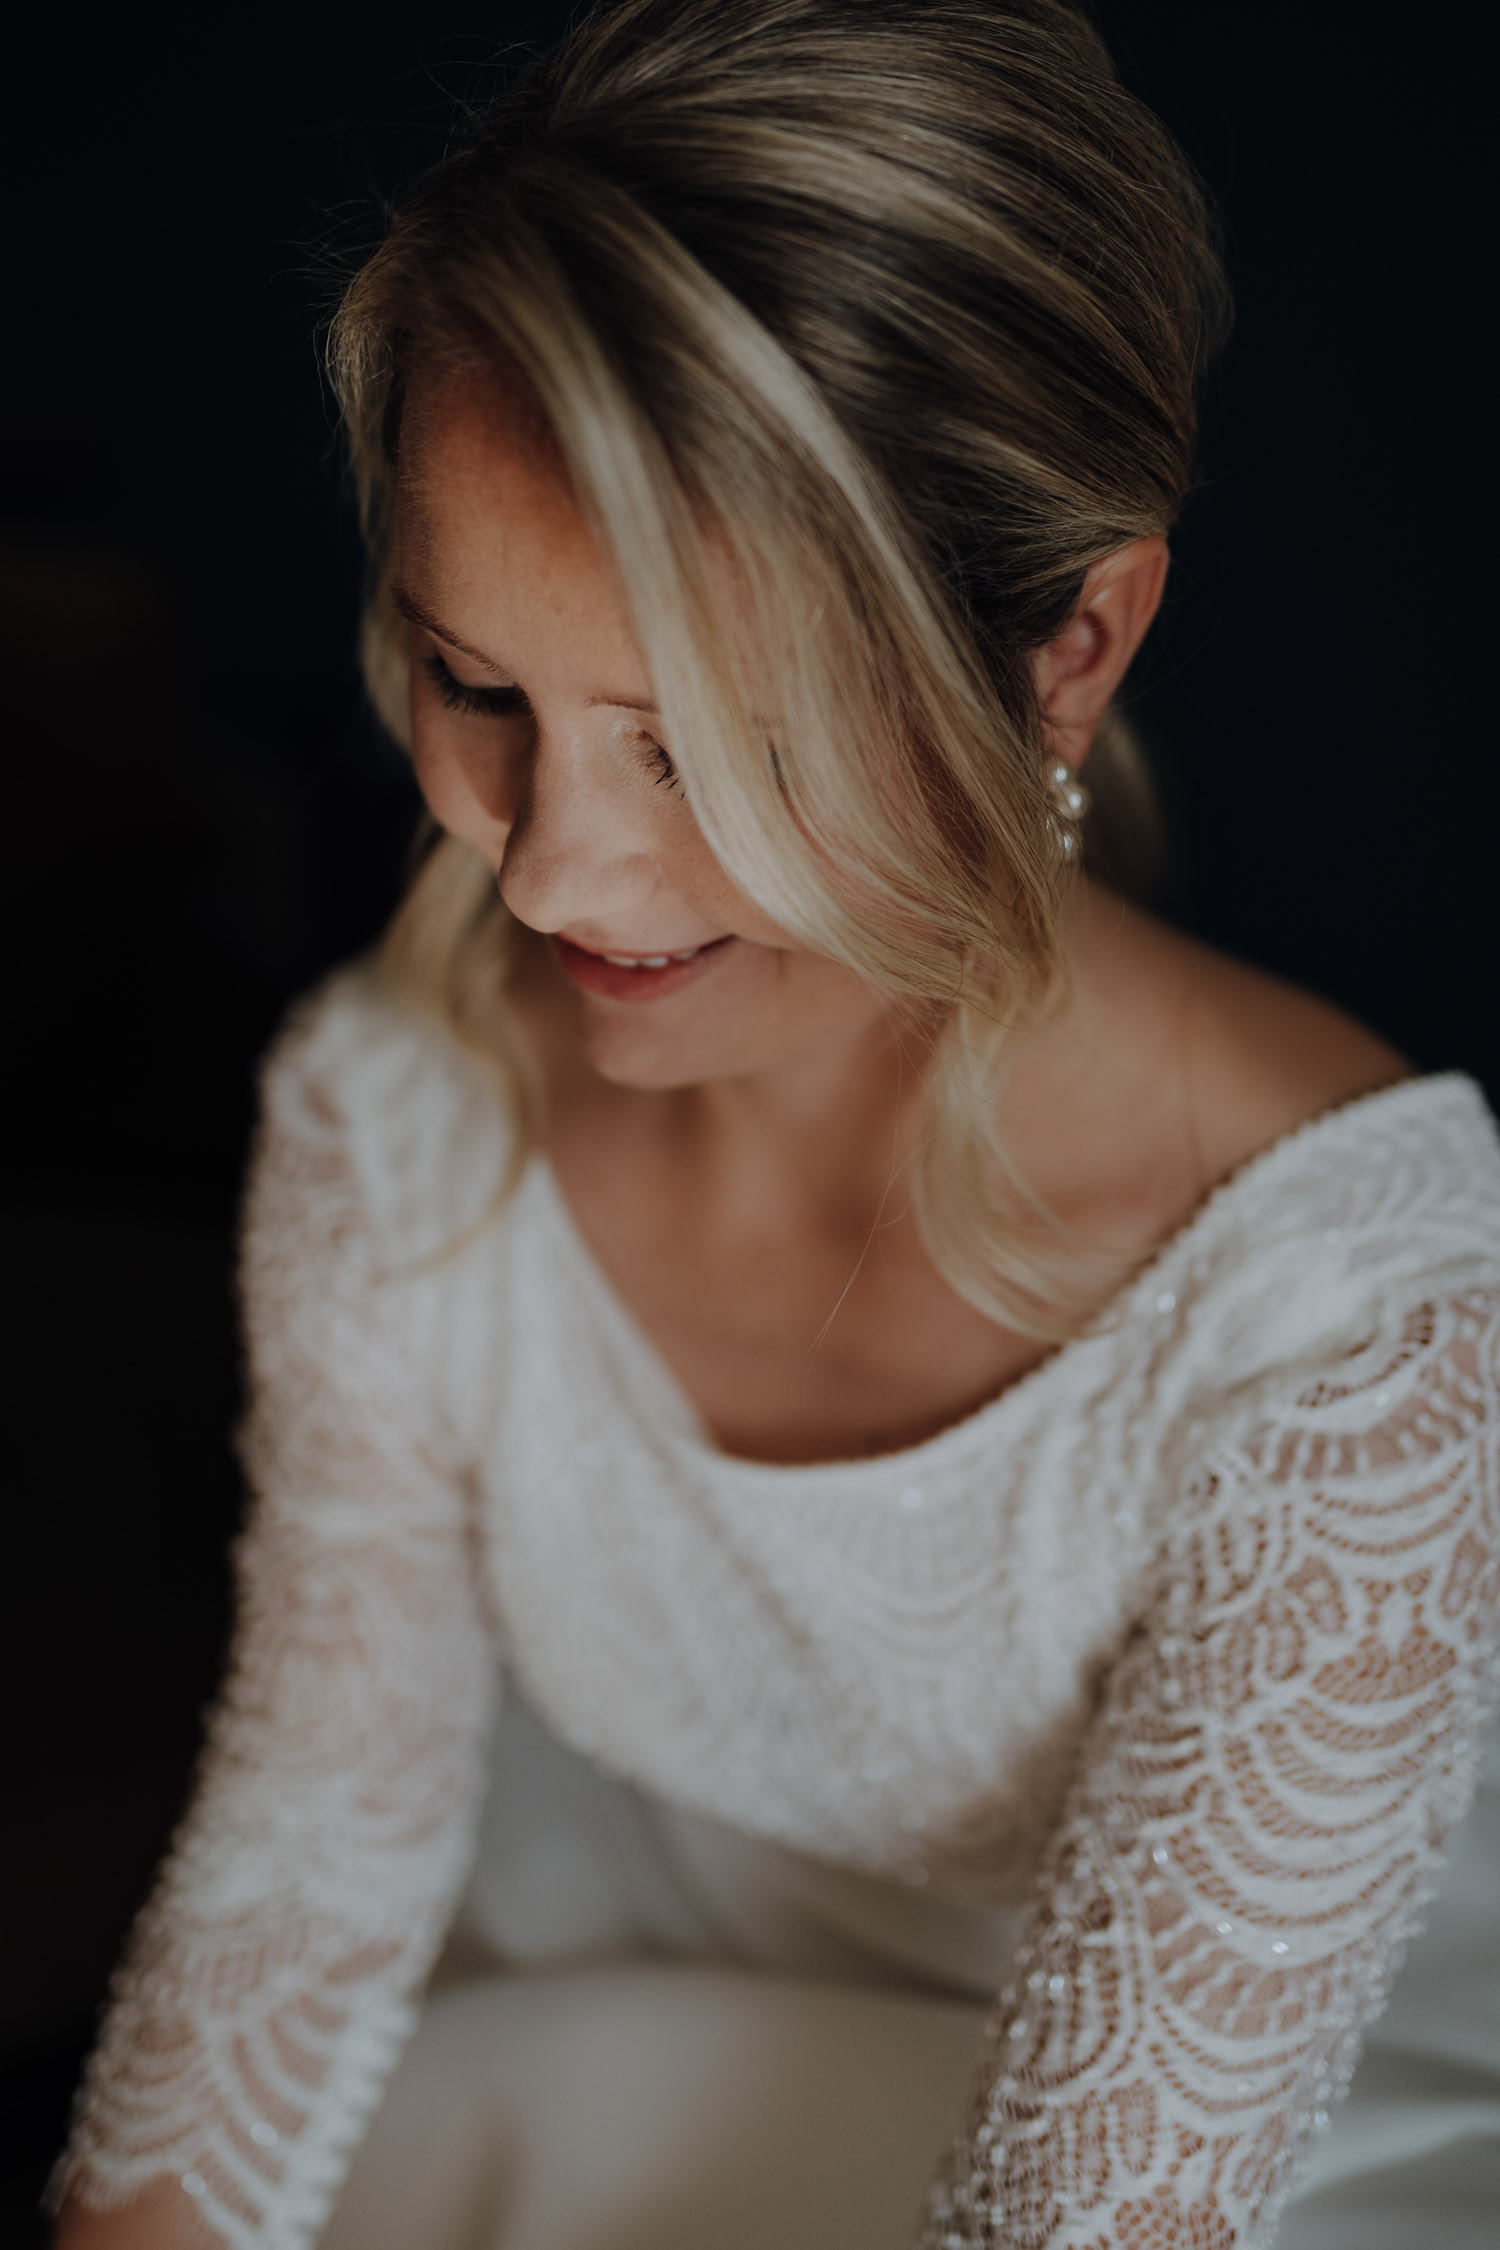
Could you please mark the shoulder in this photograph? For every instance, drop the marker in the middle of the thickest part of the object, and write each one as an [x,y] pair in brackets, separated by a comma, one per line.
[1240,1058]
[364,1088]
[1264,1057]
[1287,1093]
[1306,1165]
[347,1033]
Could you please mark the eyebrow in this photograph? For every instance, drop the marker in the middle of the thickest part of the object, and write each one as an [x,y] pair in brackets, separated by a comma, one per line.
[412,610]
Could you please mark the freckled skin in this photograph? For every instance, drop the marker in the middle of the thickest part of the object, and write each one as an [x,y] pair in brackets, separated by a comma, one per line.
[728,1147]
[732,1150]
[565,802]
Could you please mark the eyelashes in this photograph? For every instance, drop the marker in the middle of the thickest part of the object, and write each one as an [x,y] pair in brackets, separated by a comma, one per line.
[667,776]
[474,702]
[512,702]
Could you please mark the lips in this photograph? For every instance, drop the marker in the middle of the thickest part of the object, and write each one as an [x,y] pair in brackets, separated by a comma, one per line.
[637,976]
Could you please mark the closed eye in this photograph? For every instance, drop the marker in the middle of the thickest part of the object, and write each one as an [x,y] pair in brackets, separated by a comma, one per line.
[660,764]
[508,702]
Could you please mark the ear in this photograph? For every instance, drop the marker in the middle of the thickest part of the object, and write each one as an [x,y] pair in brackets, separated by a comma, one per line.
[1078,672]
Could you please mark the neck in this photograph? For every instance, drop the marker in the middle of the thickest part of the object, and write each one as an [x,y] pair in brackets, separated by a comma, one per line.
[820,1137]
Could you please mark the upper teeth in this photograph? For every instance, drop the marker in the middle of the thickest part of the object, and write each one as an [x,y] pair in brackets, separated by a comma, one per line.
[650,960]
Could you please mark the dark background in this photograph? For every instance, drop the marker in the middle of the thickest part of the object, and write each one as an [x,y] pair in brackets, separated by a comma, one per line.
[199,819]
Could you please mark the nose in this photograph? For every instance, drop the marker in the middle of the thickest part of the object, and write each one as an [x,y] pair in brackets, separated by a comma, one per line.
[578,850]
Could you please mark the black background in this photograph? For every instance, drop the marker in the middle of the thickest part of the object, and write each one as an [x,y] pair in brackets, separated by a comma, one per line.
[199,819]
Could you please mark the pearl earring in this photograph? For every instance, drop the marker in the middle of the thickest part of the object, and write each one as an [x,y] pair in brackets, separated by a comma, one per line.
[1070,801]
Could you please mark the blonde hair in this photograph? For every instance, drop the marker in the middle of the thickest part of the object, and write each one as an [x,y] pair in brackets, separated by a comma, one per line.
[878,324]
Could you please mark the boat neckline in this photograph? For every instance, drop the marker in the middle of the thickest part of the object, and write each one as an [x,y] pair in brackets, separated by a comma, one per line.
[689,1431]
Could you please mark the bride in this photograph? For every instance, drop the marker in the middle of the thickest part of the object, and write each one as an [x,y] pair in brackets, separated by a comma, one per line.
[964,1424]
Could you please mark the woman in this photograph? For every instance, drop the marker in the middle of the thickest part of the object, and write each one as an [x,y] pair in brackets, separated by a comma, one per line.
[966,1422]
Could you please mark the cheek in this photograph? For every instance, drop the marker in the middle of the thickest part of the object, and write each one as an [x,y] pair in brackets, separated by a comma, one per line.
[456,777]
[699,877]
[441,781]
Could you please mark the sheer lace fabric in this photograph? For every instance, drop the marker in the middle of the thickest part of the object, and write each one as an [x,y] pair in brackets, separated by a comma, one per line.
[269,1984]
[1251,1841]
[1186,1641]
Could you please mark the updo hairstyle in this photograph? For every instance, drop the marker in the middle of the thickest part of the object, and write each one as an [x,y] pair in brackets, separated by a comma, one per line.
[879,323]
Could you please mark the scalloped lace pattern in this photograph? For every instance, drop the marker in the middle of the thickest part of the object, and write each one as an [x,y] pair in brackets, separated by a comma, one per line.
[267,1989]
[1254,1835]
[1302,1643]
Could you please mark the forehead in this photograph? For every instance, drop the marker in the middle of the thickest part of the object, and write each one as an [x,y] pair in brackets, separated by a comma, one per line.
[479,475]
[489,527]
[474,386]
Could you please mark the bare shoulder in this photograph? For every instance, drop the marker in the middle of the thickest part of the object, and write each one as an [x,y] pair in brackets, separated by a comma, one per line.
[1261,1056]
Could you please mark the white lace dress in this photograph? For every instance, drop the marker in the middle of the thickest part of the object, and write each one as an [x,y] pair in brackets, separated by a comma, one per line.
[1146,1696]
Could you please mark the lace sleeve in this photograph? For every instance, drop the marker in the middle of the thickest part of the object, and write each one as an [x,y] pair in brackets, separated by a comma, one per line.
[267,1987]
[1252,1837]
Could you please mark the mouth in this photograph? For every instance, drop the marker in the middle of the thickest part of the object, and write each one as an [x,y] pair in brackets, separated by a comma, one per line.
[637,976]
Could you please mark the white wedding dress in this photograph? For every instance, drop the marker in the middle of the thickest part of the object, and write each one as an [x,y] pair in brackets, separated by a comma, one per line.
[1150,1697]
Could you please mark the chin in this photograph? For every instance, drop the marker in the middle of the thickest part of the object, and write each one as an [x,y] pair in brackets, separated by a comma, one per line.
[654,1058]
[653,1066]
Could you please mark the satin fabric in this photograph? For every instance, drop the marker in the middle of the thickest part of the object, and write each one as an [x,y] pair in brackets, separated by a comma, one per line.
[650,2032]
